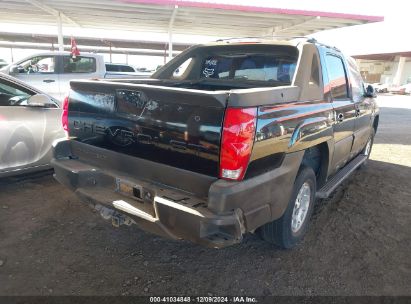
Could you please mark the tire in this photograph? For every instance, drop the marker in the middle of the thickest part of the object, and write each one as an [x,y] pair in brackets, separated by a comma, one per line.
[280,232]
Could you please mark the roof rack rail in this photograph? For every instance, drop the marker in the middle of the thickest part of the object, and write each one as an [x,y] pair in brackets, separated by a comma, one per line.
[309,39]
[329,46]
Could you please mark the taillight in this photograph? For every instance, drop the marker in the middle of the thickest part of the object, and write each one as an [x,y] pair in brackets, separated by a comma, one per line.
[237,142]
[64,116]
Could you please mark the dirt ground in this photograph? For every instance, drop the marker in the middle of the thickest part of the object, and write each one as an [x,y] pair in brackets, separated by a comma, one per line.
[359,242]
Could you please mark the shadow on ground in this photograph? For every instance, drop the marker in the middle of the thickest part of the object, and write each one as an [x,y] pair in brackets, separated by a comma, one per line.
[358,244]
[394,126]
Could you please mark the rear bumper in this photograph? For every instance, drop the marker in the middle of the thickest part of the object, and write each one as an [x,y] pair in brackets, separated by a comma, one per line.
[159,210]
[218,219]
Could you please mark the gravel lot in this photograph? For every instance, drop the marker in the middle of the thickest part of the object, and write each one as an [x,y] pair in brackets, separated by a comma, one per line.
[358,243]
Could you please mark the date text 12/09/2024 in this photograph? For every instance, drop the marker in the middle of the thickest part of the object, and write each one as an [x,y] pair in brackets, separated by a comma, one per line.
[208,299]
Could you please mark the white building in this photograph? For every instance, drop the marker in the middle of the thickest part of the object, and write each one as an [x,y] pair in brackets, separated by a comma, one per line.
[387,68]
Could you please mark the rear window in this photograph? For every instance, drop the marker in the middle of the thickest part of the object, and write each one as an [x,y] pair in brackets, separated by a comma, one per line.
[228,66]
[119,68]
[79,65]
[249,67]
[12,95]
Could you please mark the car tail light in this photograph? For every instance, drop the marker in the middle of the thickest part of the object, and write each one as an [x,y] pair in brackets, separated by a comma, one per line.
[64,116]
[237,142]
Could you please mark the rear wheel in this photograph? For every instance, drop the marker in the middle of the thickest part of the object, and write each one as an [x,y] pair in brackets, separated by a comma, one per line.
[288,230]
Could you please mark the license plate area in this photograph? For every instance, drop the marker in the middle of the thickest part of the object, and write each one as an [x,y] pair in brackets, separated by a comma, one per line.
[143,197]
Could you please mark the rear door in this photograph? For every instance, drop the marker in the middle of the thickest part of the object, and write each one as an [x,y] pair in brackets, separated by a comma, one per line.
[363,108]
[26,132]
[81,67]
[337,88]
[41,73]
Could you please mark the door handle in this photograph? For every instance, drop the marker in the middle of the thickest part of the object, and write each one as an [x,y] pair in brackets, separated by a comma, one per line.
[340,117]
[48,80]
[357,112]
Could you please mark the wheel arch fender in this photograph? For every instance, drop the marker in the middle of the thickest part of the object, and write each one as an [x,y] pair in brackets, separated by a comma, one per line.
[310,132]
[375,122]
[319,158]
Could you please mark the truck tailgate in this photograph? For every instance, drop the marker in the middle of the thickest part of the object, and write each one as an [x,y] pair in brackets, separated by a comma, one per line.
[173,126]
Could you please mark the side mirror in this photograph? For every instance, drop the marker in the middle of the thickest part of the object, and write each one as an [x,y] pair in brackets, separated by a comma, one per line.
[370,91]
[39,100]
[14,69]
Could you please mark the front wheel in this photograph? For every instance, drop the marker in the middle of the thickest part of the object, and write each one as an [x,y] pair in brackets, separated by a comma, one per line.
[288,231]
[368,147]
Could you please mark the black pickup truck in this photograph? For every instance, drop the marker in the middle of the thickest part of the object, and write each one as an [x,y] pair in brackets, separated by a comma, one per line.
[227,138]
